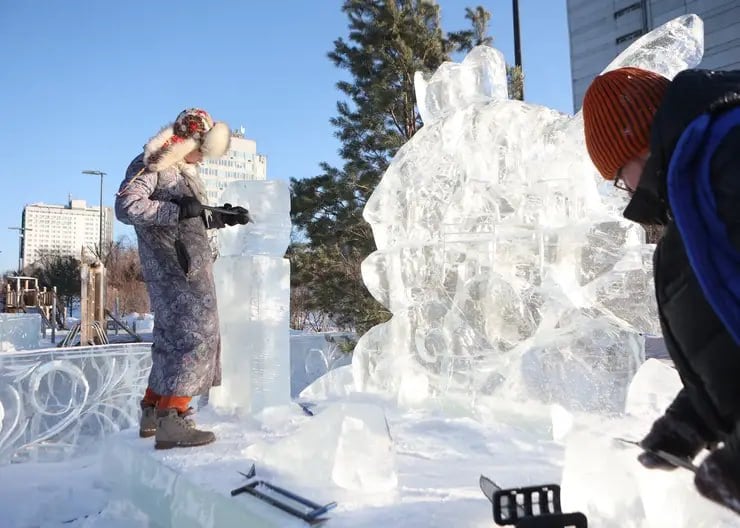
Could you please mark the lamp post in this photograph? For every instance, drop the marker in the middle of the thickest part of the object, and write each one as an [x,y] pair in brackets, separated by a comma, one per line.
[517,39]
[21,234]
[100,237]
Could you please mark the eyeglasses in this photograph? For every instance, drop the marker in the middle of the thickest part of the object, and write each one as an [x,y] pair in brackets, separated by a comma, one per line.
[620,184]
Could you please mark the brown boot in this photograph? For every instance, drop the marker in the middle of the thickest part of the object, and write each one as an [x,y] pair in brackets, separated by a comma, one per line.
[174,429]
[148,423]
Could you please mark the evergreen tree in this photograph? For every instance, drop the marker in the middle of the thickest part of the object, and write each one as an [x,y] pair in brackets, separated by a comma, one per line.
[389,40]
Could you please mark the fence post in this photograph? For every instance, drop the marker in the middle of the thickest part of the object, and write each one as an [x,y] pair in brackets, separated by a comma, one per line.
[54,315]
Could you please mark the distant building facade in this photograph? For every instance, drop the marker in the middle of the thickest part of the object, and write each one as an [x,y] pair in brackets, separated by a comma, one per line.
[241,162]
[63,229]
[601,29]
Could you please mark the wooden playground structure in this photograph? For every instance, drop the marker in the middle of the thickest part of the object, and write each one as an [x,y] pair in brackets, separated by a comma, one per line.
[92,328]
[23,295]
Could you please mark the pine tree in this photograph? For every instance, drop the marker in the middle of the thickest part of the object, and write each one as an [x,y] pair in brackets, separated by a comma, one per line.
[389,40]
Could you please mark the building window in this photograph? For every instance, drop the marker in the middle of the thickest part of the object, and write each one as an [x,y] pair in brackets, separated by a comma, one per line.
[625,10]
[629,36]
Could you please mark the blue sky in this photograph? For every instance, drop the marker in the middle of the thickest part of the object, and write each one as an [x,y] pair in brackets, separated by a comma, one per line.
[84,84]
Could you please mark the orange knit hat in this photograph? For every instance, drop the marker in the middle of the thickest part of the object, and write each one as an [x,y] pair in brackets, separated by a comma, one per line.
[618,109]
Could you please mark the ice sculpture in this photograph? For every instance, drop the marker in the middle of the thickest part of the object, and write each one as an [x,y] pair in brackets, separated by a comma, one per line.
[55,403]
[253,292]
[312,355]
[505,261]
[346,445]
[19,331]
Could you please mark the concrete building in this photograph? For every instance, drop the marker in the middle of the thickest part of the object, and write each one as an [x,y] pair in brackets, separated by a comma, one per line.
[601,29]
[241,162]
[63,229]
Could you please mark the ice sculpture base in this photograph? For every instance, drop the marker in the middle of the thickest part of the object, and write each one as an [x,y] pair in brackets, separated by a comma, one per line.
[177,489]
[253,294]
[438,461]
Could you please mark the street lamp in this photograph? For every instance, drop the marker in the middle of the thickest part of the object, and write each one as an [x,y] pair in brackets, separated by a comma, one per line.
[21,234]
[100,238]
[517,39]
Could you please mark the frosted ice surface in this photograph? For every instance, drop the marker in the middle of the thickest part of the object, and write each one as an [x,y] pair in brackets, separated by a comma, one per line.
[675,46]
[480,77]
[312,355]
[652,389]
[502,255]
[19,331]
[338,382]
[347,445]
[253,294]
[268,203]
[603,479]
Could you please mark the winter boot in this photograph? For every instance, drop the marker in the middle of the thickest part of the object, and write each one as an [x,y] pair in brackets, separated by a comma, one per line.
[673,436]
[718,477]
[148,423]
[174,429]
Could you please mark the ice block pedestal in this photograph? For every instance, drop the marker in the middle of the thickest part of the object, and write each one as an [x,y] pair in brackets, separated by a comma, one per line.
[253,291]
[190,488]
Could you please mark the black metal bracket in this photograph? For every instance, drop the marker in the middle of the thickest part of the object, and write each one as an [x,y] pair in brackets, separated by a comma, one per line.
[282,498]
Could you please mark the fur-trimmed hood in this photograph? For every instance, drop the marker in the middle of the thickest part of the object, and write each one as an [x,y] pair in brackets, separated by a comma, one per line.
[193,129]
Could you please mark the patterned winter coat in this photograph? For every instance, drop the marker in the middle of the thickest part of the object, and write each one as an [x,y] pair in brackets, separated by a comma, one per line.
[186,342]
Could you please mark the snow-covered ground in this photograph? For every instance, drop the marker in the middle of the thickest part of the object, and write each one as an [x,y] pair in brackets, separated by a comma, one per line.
[437,461]
[427,478]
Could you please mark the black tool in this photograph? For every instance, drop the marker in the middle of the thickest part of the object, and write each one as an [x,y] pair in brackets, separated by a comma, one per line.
[278,497]
[529,507]
[221,210]
[671,459]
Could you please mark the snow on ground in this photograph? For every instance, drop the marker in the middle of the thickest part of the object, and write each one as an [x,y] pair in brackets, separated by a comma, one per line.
[438,453]
[438,461]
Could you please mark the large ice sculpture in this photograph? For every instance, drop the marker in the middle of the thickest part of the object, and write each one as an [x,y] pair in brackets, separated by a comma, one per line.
[55,403]
[253,292]
[504,259]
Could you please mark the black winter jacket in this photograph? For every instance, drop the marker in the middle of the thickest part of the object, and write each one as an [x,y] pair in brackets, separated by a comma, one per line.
[706,356]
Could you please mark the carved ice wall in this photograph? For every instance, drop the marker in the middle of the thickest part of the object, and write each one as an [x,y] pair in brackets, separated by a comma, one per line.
[57,402]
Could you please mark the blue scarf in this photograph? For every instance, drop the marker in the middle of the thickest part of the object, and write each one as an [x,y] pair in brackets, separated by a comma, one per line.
[715,261]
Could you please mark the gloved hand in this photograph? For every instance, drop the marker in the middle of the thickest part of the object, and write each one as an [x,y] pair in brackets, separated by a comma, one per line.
[190,207]
[240,217]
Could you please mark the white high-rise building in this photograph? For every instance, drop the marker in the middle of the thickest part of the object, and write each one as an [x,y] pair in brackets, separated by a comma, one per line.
[601,29]
[241,162]
[63,229]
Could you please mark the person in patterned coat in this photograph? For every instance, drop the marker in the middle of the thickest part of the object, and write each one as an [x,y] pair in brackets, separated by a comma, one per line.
[162,197]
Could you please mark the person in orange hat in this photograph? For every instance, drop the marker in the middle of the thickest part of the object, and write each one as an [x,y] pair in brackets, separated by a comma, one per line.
[674,146]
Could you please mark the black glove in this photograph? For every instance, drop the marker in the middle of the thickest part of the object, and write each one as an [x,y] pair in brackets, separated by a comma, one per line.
[190,207]
[238,215]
